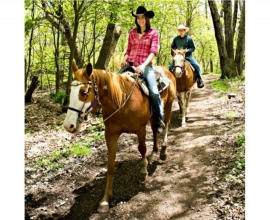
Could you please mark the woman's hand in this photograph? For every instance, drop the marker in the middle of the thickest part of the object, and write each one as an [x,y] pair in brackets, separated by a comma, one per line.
[139,69]
[123,63]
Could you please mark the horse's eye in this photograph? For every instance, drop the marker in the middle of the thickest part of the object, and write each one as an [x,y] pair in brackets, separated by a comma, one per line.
[83,93]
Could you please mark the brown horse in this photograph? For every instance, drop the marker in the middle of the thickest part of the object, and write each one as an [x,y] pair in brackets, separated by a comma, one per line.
[184,75]
[125,109]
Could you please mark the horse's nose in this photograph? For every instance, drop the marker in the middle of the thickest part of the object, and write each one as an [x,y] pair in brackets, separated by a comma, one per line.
[70,128]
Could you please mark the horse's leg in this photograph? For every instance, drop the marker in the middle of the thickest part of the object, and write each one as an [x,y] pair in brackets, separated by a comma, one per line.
[183,103]
[142,149]
[167,117]
[111,141]
[163,151]
[188,98]
[178,94]
[155,142]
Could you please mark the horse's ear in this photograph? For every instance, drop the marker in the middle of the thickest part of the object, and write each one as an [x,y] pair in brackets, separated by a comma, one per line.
[74,66]
[89,69]
[173,51]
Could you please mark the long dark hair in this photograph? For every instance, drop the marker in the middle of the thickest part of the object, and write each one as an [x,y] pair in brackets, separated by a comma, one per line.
[147,24]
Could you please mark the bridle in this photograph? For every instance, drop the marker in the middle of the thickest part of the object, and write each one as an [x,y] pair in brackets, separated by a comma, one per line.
[87,93]
[183,68]
[96,99]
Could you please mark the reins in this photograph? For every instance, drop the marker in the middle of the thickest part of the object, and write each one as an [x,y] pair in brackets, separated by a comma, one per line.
[124,101]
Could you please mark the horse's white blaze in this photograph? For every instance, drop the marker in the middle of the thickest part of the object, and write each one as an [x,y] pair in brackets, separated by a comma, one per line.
[74,102]
[178,61]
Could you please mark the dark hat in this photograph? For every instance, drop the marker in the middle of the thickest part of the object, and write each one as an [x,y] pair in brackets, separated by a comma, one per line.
[141,10]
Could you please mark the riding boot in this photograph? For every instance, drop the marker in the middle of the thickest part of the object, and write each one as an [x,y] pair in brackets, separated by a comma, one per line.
[200,82]
[199,79]
[197,68]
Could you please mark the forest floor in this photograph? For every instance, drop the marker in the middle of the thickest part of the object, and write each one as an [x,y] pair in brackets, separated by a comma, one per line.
[198,180]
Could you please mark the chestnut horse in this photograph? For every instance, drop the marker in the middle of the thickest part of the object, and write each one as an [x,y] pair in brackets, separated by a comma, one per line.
[125,109]
[185,79]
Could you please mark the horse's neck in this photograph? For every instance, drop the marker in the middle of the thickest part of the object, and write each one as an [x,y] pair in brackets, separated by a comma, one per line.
[111,89]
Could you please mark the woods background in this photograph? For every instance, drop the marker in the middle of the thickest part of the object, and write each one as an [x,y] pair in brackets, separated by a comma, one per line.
[56,32]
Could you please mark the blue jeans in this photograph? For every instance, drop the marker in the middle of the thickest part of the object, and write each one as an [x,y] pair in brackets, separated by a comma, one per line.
[194,63]
[154,96]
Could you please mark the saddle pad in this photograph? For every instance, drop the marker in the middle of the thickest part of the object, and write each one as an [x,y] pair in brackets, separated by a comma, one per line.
[161,78]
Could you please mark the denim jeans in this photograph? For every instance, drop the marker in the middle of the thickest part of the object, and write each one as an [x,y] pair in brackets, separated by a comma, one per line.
[154,96]
[155,100]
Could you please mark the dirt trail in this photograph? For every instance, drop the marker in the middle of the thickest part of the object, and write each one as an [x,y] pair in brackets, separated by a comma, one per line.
[190,184]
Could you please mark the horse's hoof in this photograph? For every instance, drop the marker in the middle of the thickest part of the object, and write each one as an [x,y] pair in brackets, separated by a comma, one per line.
[144,172]
[163,156]
[183,125]
[160,130]
[103,208]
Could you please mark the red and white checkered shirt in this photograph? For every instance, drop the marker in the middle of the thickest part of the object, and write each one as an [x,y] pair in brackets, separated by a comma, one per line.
[139,48]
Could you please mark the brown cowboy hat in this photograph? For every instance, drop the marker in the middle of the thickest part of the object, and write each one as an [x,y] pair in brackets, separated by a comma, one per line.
[181,27]
[141,10]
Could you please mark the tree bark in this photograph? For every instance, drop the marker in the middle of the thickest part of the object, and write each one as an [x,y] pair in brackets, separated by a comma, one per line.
[235,12]
[56,57]
[219,35]
[227,6]
[227,65]
[240,50]
[32,87]
[110,40]
[73,47]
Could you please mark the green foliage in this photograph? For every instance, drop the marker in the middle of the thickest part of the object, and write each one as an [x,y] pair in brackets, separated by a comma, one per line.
[229,114]
[228,84]
[29,24]
[238,160]
[30,131]
[80,149]
[59,97]
[240,155]
[99,127]
[221,84]
[77,149]
[53,160]
[168,15]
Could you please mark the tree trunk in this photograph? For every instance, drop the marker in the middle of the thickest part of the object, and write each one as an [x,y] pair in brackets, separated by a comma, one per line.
[240,50]
[235,12]
[110,40]
[73,47]
[227,65]
[56,57]
[32,87]
[30,49]
[66,30]
[227,6]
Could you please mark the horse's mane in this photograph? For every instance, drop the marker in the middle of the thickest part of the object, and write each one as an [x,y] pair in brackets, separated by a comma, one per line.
[114,83]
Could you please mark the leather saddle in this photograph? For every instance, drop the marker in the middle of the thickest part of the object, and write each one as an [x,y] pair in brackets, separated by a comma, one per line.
[161,79]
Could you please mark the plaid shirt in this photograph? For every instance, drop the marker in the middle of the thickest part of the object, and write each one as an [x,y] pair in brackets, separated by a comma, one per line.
[139,48]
